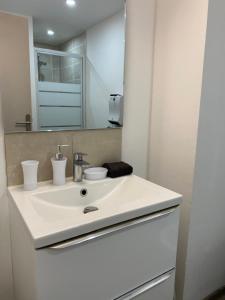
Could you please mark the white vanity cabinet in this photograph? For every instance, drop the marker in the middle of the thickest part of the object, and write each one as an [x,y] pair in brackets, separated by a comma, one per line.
[135,259]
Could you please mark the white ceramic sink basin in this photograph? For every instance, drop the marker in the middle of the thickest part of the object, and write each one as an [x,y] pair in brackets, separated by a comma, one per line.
[54,214]
[77,195]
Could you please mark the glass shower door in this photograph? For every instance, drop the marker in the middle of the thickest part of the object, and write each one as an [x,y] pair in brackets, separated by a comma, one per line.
[60,90]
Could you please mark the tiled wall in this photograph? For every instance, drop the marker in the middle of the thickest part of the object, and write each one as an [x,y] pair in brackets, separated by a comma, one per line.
[100,145]
[71,67]
[63,69]
[76,45]
[51,70]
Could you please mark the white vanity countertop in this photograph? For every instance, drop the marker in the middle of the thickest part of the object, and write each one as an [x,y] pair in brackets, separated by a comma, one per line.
[54,214]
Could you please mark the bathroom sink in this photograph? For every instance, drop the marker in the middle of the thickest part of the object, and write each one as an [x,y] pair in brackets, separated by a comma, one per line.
[77,195]
[71,201]
[53,214]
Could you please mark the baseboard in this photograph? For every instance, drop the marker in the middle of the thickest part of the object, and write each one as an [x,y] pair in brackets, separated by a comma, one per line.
[216,294]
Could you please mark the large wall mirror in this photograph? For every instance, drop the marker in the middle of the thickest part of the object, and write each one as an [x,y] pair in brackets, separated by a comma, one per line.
[75,52]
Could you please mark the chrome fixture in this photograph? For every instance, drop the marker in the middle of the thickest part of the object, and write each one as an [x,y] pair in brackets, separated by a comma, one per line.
[79,165]
[146,287]
[59,155]
[27,123]
[89,209]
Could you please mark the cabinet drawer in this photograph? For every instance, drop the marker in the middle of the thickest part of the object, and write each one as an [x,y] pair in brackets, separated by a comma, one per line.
[161,288]
[109,263]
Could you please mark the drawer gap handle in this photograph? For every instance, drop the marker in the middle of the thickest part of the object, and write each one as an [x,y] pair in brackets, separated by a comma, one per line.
[146,287]
[111,230]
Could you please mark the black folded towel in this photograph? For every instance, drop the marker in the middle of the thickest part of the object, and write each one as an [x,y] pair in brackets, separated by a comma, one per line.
[118,169]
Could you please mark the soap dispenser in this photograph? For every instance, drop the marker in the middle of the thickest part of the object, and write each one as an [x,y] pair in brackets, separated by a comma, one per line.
[59,166]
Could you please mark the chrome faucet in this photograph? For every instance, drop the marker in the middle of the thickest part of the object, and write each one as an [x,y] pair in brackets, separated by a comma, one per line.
[79,165]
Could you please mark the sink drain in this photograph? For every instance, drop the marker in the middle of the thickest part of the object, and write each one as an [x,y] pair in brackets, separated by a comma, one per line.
[90,209]
[83,192]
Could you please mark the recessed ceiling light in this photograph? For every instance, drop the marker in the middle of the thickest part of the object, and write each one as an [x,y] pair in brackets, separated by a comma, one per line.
[71,3]
[50,32]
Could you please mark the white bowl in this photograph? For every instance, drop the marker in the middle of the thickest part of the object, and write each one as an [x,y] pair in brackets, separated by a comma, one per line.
[95,173]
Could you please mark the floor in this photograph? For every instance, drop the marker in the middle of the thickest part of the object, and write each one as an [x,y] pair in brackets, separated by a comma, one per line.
[219,297]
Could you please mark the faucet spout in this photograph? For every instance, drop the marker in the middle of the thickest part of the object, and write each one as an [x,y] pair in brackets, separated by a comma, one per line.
[79,165]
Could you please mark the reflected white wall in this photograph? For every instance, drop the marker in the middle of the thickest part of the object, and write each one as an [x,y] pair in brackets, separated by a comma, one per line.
[105,44]
[138,83]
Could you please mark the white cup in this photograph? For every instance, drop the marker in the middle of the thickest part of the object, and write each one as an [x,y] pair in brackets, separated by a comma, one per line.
[30,169]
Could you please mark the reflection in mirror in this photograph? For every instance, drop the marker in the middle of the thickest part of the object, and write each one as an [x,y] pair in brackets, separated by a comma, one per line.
[66,65]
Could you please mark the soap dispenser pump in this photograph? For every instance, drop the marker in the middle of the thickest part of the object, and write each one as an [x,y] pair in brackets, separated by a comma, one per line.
[59,166]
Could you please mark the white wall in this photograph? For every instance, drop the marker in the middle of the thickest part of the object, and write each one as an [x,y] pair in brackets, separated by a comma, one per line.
[206,247]
[187,142]
[138,80]
[105,67]
[6,290]
[178,69]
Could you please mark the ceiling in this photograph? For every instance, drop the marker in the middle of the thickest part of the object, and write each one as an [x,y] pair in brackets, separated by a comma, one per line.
[64,21]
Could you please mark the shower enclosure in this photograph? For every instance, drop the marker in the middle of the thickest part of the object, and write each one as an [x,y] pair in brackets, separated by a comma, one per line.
[60,90]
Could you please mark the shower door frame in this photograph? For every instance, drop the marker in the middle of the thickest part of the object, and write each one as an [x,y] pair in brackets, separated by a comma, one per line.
[83,90]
